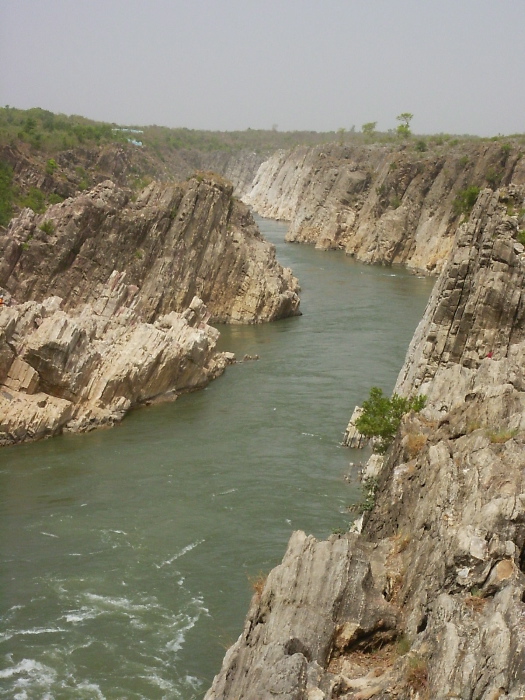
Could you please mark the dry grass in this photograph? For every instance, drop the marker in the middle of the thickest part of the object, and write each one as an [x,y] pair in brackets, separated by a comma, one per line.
[415,443]
[362,662]
[257,583]
[503,435]
[475,600]
[401,542]
[417,674]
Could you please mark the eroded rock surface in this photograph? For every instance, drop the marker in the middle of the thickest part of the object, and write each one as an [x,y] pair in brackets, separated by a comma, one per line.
[174,242]
[106,300]
[78,371]
[381,204]
[429,600]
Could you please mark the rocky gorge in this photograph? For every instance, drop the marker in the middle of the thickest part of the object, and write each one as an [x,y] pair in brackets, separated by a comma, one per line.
[106,300]
[108,303]
[380,203]
[427,601]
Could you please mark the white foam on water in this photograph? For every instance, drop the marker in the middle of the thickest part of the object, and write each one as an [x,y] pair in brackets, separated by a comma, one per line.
[224,493]
[179,554]
[30,676]
[23,633]
[81,615]
[155,680]
[121,603]
[190,621]
[92,688]
[49,534]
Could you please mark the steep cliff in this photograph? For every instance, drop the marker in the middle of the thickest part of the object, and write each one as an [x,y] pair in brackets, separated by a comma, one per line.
[380,203]
[174,242]
[106,300]
[429,600]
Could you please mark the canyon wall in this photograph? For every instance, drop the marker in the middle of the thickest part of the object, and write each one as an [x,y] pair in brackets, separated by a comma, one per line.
[173,242]
[80,168]
[380,203]
[106,301]
[428,601]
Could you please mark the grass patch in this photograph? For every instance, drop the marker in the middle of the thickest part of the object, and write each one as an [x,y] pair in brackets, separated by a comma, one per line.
[48,227]
[502,435]
[257,583]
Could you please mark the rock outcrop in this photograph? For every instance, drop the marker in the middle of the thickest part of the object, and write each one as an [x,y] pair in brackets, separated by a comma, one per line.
[174,242]
[79,168]
[429,600]
[106,301]
[380,203]
[78,371]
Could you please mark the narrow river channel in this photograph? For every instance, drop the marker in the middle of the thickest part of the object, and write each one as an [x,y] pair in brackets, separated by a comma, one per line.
[127,554]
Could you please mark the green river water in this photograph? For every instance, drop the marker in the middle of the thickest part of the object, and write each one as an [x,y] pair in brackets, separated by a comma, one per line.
[126,553]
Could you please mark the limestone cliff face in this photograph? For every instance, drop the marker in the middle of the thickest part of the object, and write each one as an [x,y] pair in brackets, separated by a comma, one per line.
[429,600]
[382,204]
[124,164]
[174,242]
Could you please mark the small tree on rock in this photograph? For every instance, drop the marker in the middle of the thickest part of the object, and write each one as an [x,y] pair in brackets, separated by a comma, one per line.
[381,416]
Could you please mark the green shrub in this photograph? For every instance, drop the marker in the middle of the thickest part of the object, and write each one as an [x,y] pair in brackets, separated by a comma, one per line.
[421,146]
[465,200]
[35,200]
[494,177]
[6,193]
[51,166]
[521,237]
[48,227]
[395,202]
[381,416]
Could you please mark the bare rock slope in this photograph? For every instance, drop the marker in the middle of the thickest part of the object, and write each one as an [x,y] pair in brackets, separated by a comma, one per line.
[174,242]
[380,203]
[429,600]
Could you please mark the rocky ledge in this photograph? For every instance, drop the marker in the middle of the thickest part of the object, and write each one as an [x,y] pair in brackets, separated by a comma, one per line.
[106,301]
[74,372]
[428,601]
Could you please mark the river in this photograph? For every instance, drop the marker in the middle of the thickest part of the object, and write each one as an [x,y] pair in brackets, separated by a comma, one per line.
[127,554]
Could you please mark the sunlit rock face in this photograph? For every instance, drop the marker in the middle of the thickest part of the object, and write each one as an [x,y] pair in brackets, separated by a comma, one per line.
[106,301]
[174,242]
[62,371]
[380,203]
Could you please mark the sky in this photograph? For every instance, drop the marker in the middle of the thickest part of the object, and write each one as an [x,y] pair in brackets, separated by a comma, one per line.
[457,65]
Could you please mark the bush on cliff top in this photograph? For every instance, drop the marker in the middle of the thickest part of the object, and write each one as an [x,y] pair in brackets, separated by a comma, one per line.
[381,416]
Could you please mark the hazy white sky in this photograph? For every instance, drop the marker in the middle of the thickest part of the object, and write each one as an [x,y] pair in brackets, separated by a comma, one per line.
[457,65]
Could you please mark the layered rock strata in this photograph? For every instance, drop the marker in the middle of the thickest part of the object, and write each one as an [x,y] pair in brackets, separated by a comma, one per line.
[429,600]
[379,203]
[174,242]
[78,371]
[103,301]
[127,165]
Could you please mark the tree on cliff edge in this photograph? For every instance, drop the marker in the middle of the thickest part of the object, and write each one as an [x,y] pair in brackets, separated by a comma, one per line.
[404,128]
